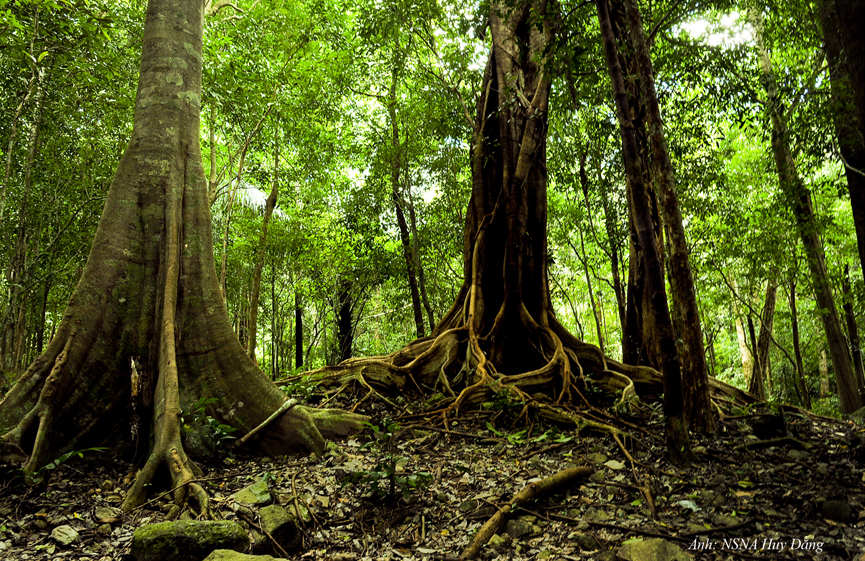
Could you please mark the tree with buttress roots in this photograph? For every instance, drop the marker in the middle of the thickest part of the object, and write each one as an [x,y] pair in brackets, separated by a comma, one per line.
[146,331]
[501,335]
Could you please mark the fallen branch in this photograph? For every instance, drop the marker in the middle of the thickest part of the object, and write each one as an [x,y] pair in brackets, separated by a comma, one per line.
[531,491]
[273,416]
[784,440]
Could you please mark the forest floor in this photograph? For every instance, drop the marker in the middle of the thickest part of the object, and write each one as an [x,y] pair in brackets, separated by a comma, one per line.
[803,498]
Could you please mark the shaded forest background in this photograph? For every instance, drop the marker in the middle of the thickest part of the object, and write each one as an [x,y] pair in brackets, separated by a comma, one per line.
[345,127]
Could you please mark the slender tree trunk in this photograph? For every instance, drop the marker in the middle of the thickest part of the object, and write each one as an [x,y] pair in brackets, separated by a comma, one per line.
[825,389]
[345,324]
[678,442]
[298,332]
[800,199]
[610,223]
[853,330]
[399,205]
[415,253]
[844,34]
[797,350]
[760,378]
[269,205]
[686,315]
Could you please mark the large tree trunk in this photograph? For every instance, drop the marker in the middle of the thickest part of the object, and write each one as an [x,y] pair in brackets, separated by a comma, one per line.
[678,443]
[638,335]
[844,34]
[686,315]
[800,200]
[148,302]
[852,330]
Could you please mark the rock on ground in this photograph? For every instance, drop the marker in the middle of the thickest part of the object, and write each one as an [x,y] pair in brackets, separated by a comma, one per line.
[230,555]
[187,540]
[654,549]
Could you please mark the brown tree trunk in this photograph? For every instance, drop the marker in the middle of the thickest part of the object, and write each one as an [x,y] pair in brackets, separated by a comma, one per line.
[418,264]
[149,301]
[678,443]
[759,378]
[797,349]
[844,35]
[345,324]
[269,205]
[825,389]
[800,200]
[852,330]
[638,344]
[298,332]
[399,204]
[686,315]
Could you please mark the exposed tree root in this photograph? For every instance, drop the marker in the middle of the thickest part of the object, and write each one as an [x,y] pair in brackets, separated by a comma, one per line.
[533,490]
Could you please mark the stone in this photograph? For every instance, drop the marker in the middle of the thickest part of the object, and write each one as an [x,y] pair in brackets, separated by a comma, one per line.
[256,494]
[596,515]
[103,529]
[797,454]
[187,540]
[598,477]
[64,535]
[596,458]
[587,542]
[516,528]
[724,520]
[839,511]
[468,506]
[231,555]
[108,515]
[497,542]
[606,556]
[281,525]
[654,549]
[41,524]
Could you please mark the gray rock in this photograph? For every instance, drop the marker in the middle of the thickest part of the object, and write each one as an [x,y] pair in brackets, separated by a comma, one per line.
[606,556]
[256,494]
[596,458]
[797,454]
[497,542]
[838,511]
[655,549]
[108,515]
[517,528]
[64,535]
[724,520]
[229,555]
[598,477]
[587,543]
[281,526]
[187,540]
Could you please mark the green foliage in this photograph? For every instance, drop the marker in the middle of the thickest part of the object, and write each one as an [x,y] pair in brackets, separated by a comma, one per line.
[41,474]
[196,418]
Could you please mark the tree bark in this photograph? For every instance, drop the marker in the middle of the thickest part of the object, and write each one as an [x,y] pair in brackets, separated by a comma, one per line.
[269,205]
[843,24]
[797,349]
[686,315]
[761,372]
[678,443]
[799,198]
[399,203]
[825,389]
[148,302]
[852,329]
[298,332]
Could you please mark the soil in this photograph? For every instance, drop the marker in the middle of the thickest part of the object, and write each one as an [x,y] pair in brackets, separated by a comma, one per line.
[801,498]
